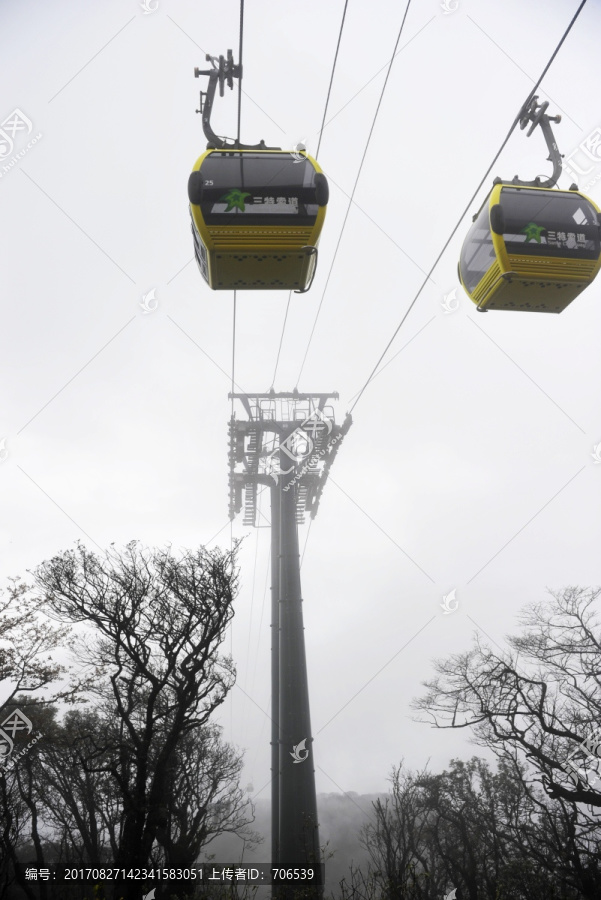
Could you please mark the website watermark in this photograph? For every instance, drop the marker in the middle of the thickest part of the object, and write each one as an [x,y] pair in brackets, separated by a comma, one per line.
[14,130]
[590,748]
[298,750]
[447,602]
[16,722]
[450,302]
[149,302]
[585,160]
[315,457]
[298,151]
[299,444]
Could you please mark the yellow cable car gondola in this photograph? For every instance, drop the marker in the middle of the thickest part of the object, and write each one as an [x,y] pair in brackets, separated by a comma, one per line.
[257,216]
[257,211]
[532,247]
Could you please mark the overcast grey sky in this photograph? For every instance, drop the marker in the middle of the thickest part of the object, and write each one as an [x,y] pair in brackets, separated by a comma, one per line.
[469,465]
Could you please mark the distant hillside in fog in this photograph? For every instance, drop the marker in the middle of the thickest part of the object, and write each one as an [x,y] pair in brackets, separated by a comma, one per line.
[340,819]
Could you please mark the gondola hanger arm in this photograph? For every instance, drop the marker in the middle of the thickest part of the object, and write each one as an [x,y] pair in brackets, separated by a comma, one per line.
[535,114]
[223,71]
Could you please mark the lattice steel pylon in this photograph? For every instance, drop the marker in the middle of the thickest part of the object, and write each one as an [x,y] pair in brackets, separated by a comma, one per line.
[287,443]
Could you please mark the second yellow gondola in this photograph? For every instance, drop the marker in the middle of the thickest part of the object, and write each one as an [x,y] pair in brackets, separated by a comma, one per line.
[531,249]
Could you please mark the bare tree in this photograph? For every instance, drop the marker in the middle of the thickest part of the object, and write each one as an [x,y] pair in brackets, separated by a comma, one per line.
[21,810]
[14,828]
[27,666]
[78,798]
[470,829]
[359,885]
[205,799]
[403,861]
[80,809]
[541,701]
[158,624]
[27,642]
[474,833]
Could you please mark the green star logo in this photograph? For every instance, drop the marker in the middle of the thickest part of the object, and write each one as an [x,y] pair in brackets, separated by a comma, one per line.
[234,198]
[532,232]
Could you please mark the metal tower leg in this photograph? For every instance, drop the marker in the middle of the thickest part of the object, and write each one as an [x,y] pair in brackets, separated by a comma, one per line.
[299,834]
[275,675]
[304,429]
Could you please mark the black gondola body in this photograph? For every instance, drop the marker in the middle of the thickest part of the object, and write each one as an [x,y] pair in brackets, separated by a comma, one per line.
[256,218]
[531,248]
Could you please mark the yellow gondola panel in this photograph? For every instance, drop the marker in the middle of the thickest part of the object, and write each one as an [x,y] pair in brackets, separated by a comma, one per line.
[531,249]
[257,218]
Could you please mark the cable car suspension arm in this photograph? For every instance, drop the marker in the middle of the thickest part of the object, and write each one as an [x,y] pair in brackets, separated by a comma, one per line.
[537,114]
[223,72]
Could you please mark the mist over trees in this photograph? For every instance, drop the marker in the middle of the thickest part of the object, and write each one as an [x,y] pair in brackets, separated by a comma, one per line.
[133,772]
[477,829]
[534,707]
[140,777]
[531,830]
[484,833]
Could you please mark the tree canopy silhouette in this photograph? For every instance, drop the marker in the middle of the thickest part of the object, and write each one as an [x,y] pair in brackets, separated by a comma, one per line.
[140,777]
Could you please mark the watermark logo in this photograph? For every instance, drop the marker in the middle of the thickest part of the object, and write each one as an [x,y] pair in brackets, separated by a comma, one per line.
[149,895]
[313,460]
[590,747]
[297,750]
[449,6]
[592,744]
[298,151]
[148,7]
[149,303]
[447,600]
[14,129]
[449,302]
[17,121]
[596,454]
[4,451]
[451,895]
[15,722]
[298,445]
[583,161]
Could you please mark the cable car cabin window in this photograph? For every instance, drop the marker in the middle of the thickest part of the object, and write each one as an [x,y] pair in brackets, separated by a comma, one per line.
[477,253]
[549,223]
[257,189]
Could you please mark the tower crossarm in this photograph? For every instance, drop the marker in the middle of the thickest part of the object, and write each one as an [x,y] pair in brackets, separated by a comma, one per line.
[289,440]
[314,494]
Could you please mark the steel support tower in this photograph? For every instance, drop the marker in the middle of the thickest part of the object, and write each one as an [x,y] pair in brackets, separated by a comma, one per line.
[287,444]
